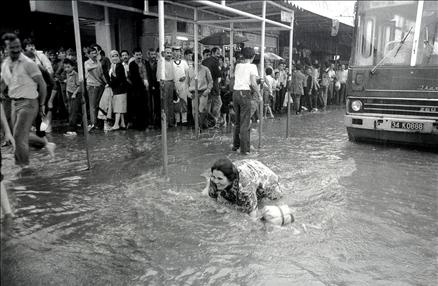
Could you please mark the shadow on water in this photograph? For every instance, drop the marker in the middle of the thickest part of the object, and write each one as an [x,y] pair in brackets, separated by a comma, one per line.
[364,214]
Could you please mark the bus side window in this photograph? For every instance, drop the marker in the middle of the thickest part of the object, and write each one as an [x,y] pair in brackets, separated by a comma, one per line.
[366,45]
[428,46]
[367,38]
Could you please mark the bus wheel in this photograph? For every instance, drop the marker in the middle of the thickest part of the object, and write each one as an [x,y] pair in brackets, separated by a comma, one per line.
[351,137]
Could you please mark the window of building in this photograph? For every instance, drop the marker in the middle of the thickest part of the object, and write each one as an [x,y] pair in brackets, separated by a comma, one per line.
[181,27]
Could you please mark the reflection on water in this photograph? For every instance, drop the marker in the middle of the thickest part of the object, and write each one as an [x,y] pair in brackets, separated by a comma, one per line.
[365,215]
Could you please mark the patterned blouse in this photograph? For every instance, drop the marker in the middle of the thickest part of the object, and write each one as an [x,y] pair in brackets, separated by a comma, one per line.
[254,182]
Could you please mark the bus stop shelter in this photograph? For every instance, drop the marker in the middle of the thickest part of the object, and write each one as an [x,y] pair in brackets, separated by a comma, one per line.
[227,15]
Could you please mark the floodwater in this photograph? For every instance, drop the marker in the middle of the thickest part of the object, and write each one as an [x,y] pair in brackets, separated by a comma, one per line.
[364,214]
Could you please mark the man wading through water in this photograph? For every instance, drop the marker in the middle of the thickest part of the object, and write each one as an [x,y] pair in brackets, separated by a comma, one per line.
[27,89]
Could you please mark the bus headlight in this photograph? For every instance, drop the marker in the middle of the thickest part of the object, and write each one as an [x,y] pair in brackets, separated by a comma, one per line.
[356,105]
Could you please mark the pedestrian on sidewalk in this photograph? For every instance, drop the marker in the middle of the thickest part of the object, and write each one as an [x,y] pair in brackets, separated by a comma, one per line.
[119,86]
[180,70]
[138,101]
[342,76]
[296,87]
[74,97]
[168,85]
[95,84]
[205,84]
[214,99]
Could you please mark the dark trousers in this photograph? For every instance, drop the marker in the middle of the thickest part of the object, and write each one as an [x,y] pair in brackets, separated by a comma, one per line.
[314,95]
[74,110]
[280,98]
[342,93]
[297,102]
[156,105]
[167,98]
[94,95]
[242,108]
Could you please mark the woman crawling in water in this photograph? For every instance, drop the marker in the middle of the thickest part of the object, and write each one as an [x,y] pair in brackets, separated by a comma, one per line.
[243,183]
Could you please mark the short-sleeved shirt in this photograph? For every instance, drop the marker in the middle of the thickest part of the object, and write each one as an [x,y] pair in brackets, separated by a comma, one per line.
[168,70]
[94,73]
[242,75]
[342,76]
[72,82]
[18,76]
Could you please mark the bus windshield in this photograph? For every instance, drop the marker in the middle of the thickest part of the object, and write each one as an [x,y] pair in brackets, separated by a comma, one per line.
[386,32]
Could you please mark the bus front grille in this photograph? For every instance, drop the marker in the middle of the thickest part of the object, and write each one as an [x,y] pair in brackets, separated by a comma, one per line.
[426,108]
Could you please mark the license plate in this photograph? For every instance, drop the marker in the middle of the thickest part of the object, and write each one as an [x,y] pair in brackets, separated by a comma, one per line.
[407,125]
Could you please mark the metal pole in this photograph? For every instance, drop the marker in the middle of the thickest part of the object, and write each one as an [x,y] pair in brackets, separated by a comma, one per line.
[239,12]
[291,38]
[417,33]
[262,72]
[107,29]
[74,6]
[196,101]
[231,49]
[153,14]
[163,100]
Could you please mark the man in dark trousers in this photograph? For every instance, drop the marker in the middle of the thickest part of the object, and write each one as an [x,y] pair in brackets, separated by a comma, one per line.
[27,90]
[138,104]
[214,99]
[154,90]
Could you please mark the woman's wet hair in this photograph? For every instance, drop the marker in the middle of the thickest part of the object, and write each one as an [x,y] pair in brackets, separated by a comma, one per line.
[227,168]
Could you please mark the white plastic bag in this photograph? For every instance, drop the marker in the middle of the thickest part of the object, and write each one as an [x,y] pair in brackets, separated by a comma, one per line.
[105,104]
[277,215]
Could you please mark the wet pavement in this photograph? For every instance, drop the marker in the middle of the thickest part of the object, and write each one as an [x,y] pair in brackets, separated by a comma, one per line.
[364,214]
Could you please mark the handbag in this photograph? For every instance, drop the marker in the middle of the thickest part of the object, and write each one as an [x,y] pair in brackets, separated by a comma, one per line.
[277,215]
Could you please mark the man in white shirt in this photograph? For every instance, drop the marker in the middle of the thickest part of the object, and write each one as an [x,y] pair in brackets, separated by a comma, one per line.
[27,89]
[246,75]
[168,84]
[331,88]
[342,76]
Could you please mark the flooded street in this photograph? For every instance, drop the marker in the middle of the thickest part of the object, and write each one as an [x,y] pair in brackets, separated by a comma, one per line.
[364,214]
